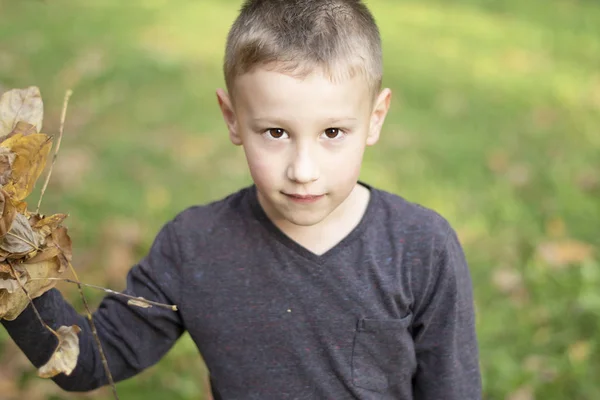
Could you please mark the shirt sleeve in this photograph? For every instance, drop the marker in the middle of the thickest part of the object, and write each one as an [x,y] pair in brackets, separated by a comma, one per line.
[444,330]
[133,338]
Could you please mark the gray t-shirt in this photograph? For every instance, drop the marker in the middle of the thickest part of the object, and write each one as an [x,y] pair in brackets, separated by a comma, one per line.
[385,314]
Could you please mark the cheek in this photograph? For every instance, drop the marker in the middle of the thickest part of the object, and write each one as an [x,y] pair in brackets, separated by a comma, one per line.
[263,168]
[345,165]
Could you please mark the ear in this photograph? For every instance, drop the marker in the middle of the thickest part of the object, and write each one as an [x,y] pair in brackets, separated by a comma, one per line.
[229,116]
[380,110]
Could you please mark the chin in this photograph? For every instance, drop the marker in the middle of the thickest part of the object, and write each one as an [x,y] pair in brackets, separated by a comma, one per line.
[305,218]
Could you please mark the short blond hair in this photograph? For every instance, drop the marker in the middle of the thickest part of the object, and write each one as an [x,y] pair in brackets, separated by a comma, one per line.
[294,36]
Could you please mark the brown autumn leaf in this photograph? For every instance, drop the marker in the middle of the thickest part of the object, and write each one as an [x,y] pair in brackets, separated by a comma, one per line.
[46,254]
[579,351]
[5,269]
[61,239]
[8,212]
[47,225]
[64,358]
[139,303]
[11,285]
[13,304]
[523,393]
[560,253]
[31,154]
[20,240]
[7,158]
[21,105]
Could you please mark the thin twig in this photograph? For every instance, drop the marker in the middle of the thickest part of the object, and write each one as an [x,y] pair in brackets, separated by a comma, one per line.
[95,334]
[140,299]
[35,310]
[62,127]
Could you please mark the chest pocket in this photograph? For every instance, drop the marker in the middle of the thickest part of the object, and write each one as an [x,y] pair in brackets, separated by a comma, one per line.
[383,353]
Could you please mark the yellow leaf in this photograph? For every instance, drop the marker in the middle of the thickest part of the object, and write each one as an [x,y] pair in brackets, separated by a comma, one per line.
[64,358]
[21,105]
[579,351]
[138,303]
[523,393]
[31,154]
[561,253]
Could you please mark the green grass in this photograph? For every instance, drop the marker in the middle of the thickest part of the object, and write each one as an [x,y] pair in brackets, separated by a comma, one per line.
[495,123]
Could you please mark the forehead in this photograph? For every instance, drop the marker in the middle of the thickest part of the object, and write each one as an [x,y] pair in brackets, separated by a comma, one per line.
[263,91]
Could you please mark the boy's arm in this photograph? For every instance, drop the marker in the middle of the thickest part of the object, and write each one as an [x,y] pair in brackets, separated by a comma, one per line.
[133,338]
[444,330]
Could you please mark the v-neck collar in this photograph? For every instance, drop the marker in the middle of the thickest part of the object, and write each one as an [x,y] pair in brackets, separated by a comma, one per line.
[302,251]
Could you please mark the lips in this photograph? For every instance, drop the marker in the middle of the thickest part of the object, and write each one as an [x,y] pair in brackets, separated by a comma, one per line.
[304,198]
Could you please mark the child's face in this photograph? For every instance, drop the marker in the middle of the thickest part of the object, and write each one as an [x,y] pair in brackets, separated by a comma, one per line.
[303,138]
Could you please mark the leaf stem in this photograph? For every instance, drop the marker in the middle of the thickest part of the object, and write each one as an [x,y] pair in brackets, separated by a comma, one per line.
[62,127]
[23,240]
[35,310]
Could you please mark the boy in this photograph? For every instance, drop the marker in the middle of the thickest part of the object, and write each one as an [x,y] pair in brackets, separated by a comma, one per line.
[308,284]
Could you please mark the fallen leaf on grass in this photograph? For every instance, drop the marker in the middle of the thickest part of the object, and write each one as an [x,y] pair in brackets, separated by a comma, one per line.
[561,253]
[523,393]
[21,105]
[579,351]
[64,358]
[138,303]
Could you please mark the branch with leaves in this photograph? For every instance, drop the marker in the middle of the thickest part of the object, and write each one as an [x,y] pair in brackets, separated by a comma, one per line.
[36,250]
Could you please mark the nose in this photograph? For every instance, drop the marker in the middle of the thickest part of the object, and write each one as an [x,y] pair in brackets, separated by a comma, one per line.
[303,168]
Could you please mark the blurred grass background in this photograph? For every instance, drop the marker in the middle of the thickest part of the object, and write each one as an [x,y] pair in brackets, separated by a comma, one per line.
[495,124]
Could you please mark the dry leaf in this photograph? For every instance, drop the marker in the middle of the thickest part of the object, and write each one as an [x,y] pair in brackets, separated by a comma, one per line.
[21,105]
[23,128]
[64,358]
[507,280]
[8,213]
[11,285]
[138,303]
[60,239]
[21,239]
[5,269]
[47,254]
[13,304]
[7,158]
[523,393]
[564,252]
[579,351]
[47,225]
[31,154]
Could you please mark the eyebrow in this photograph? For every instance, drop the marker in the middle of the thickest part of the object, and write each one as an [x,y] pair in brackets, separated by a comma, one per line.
[279,121]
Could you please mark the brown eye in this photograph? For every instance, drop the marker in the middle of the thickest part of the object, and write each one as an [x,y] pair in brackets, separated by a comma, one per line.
[332,133]
[276,132]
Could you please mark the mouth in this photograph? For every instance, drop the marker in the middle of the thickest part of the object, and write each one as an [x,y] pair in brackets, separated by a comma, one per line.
[304,198]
